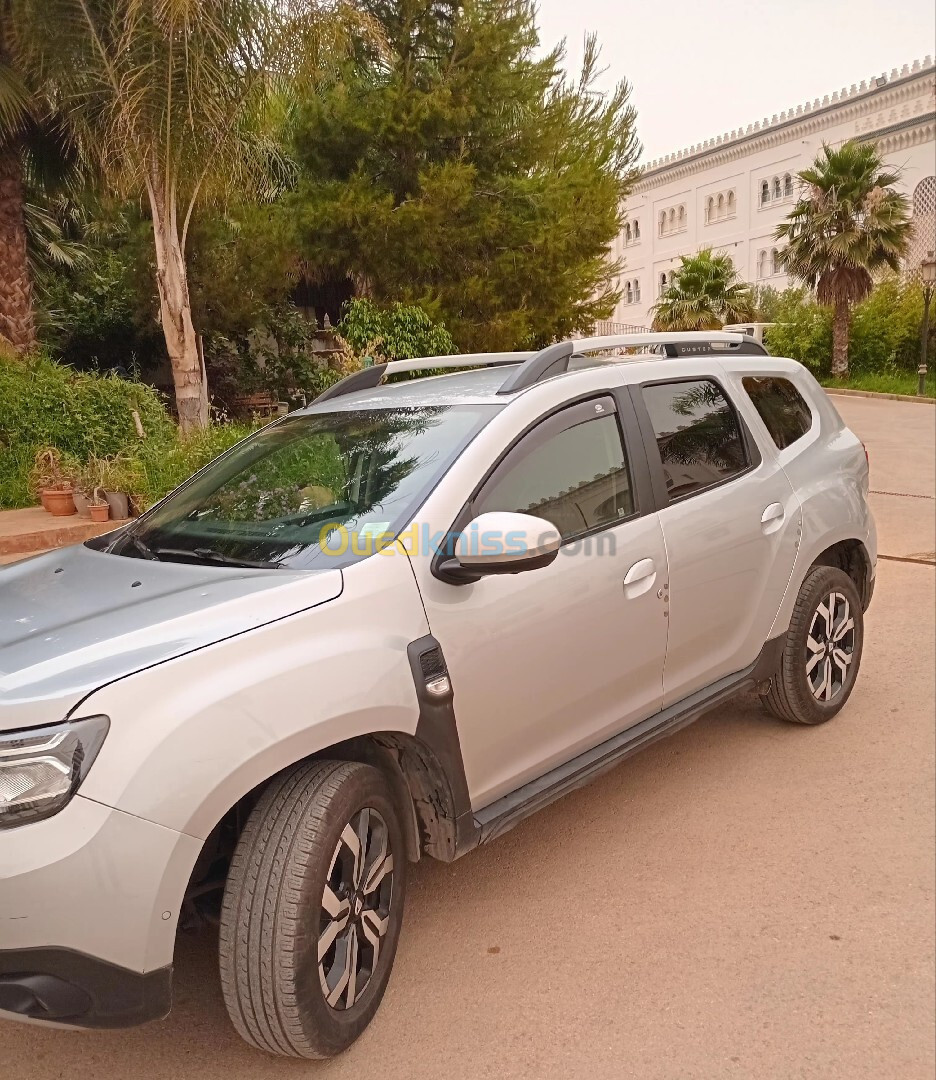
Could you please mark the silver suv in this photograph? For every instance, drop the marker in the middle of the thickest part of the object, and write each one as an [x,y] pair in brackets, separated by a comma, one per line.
[394,624]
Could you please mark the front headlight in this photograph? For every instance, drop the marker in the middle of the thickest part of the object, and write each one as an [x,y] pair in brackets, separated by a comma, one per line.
[41,768]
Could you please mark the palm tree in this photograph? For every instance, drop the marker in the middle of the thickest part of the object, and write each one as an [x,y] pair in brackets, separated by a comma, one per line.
[849,226]
[17,120]
[178,102]
[704,293]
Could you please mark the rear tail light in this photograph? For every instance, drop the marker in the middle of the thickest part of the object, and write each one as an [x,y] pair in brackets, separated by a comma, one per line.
[867,459]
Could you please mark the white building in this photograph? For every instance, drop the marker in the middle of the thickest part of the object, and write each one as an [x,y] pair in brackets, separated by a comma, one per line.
[730,193]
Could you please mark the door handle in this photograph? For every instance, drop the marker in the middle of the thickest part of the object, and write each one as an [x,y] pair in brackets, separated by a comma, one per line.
[772,517]
[639,578]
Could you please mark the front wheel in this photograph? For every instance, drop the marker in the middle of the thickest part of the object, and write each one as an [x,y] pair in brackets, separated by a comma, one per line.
[822,651]
[312,910]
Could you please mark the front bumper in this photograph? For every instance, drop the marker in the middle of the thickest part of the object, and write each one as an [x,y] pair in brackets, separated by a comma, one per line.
[73,989]
[89,903]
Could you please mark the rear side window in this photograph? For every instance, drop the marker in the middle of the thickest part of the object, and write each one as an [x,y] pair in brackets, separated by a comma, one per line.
[577,479]
[698,435]
[781,406]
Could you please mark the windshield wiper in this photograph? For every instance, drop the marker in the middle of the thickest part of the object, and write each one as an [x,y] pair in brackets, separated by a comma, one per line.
[126,537]
[204,554]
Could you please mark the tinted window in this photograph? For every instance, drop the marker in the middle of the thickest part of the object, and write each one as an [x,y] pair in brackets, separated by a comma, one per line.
[316,489]
[576,479]
[697,433]
[784,412]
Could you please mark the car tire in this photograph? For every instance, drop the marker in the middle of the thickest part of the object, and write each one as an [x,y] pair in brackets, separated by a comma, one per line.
[822,651]
[304,914]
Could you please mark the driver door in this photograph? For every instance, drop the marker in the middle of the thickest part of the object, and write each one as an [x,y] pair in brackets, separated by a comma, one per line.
[548,663]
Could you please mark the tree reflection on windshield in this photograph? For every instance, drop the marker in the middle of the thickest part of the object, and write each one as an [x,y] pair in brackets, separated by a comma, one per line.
[276,496]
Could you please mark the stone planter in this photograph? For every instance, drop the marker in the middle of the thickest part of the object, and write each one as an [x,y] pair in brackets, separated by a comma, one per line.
[119,504]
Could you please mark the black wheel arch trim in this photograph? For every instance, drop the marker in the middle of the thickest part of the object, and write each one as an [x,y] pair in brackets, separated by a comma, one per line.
[437,729]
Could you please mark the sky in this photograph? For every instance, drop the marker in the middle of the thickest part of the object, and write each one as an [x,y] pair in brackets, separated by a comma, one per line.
[699,69]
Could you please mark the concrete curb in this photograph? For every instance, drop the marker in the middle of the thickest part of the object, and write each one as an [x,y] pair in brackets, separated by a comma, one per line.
[873,394]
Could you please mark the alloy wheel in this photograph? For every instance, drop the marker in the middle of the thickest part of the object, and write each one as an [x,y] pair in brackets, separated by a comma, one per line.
[830,647]
[355,910]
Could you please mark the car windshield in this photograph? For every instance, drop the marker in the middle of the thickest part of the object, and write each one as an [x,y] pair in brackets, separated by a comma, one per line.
[309,491]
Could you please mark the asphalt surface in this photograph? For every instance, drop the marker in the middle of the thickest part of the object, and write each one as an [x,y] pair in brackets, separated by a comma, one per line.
[747,899]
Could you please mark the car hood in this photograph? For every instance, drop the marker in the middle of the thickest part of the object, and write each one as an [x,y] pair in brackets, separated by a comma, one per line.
[75,619]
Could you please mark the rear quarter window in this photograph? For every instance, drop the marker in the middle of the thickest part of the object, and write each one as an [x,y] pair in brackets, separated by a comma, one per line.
[780,405]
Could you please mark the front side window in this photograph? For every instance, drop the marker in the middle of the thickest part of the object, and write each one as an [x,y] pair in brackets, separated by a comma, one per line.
[698,435]
[315,490]
[577,479]
[781,406]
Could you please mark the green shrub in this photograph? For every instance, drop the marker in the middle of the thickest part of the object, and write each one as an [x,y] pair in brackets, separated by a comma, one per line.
[885,332]
[396,332]
[45,404]
[802,330]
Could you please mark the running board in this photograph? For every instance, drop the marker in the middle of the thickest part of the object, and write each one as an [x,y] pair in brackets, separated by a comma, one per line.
[501,816]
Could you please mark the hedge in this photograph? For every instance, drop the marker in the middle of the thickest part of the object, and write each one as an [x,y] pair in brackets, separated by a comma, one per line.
[43,403]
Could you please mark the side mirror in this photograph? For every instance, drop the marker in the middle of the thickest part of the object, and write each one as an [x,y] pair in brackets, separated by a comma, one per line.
[500,543]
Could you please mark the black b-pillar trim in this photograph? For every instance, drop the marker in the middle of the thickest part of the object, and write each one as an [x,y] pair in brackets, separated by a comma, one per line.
[438,729]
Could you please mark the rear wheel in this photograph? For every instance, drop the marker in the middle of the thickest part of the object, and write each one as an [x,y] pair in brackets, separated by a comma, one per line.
[312,910]
[822,651]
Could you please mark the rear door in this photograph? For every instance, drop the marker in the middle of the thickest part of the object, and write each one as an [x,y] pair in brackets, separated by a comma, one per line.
[731,523]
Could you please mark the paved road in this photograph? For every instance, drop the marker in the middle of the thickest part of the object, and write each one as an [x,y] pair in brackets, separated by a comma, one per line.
[901,441]
[747,899]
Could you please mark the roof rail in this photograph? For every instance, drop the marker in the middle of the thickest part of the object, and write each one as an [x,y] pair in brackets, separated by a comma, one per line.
[533,367]
[554,359]
[369,377]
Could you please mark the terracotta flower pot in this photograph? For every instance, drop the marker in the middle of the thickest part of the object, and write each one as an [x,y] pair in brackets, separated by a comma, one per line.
[59,503]
[99,511]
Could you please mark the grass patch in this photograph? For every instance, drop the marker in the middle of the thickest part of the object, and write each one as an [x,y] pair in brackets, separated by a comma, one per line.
[884,383]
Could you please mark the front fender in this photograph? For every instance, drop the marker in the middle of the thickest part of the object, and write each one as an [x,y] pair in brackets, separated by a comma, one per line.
[192,736]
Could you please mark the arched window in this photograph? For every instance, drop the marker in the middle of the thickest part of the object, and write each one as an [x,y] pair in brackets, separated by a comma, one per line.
[682,217]
[636,229]
[629,294]
[709,209]
[627,232]
[787,186]
[663,282]
[764,193]
[720,212]
[671,221]
[731,203]
[662,222]
[762,264]
[636,291]
[774,262]
[777,190]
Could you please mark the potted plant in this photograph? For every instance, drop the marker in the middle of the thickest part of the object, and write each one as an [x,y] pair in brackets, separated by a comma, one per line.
[52,477]
[118,477]
[98,506]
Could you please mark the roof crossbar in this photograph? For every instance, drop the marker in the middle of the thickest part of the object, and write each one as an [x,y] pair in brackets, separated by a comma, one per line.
[554,359]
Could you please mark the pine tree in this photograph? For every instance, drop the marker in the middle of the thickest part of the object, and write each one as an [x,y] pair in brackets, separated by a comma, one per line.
[459,170]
